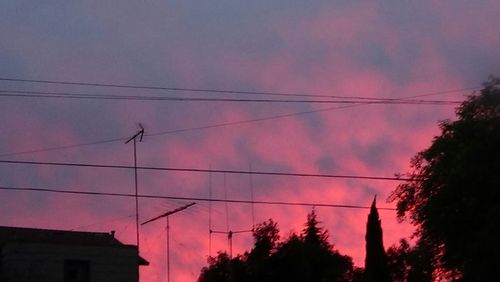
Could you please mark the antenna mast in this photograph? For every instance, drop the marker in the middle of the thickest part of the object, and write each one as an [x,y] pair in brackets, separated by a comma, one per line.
[167,214]
[139,134]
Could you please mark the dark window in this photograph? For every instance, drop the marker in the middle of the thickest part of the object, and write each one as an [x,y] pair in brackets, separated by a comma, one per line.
[76,271]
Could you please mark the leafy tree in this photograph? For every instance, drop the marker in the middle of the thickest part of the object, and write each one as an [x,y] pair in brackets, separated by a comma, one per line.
[305,257]
[310,257]
[224,269]
[376,268]
[410,264]
[453,195]
[266,236]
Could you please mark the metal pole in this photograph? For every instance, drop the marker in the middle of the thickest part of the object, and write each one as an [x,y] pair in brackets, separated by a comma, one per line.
[168,250]
[210,213]
[140,134]
[251,196]
[136,197]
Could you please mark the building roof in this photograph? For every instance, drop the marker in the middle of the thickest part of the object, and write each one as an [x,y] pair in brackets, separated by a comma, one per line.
[49,236]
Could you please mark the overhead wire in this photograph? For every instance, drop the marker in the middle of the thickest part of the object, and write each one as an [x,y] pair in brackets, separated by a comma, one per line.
[187,89]
[150,196]
[199,170]
[182,130]
[56,148]
[210,126]
[346,100]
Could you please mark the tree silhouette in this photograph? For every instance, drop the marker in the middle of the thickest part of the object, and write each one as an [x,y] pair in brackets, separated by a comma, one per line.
[224,269]
[310,257]
[453,195]
[376,268]
[313,234]
[266,236]
[305,257]
[410,264]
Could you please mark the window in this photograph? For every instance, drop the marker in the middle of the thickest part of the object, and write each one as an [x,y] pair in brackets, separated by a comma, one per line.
[76,271]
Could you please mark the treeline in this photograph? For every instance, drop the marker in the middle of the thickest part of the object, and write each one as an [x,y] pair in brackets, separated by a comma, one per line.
[307,256]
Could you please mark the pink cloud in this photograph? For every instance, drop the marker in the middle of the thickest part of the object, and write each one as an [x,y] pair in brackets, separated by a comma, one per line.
[315,55]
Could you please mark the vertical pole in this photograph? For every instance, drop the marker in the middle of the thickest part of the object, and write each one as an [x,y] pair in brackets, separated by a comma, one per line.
[138,134]
[251,196]
[168,250]
[229,233]
[210,212]
[226,204]
[136,198]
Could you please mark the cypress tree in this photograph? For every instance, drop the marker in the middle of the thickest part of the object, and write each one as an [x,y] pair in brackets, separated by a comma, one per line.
[376,267]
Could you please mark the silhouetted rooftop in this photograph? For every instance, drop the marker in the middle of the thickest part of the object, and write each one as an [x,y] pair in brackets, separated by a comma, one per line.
[48,236]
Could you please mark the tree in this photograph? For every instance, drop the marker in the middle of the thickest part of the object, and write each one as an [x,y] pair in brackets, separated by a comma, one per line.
[305,257]
[410,264]
[310,257]
[376,268]
[453,195]
[266,236]
[313,234]
[224,269]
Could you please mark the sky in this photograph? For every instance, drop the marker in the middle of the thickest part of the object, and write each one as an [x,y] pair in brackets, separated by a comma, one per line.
[371,49]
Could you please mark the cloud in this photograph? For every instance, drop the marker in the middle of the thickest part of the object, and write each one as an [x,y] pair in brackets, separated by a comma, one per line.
[383,49]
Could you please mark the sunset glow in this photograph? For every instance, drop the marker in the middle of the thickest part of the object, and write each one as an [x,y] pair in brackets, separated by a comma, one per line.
[383,49]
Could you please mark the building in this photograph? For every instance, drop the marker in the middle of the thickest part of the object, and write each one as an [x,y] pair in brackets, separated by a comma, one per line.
[41,255]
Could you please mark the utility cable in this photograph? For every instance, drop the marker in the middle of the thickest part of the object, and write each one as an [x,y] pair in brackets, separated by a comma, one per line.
[66,95]
[216,125]
[149,196]
[220,91]
[198,170]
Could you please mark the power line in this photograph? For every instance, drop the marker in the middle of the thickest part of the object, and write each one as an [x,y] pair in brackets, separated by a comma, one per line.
[66,95]
[218,125]
[148,196]
[64,147]
[198,170]
[205,90]
[182,130]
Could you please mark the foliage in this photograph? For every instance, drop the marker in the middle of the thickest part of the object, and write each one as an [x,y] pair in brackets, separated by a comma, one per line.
[224,269]
[453,195]
[305,257]
[313,234]
[410,264]
[266,236]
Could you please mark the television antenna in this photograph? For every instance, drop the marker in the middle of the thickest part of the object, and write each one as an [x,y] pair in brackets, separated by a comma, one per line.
[228,231]
[140,135]
[167,214]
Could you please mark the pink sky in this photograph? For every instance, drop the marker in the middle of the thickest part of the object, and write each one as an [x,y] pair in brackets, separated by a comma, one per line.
[381,49]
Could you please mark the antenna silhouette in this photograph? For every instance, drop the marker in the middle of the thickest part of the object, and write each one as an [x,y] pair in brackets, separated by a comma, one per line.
[167,214]
[228,231]
[139,134]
